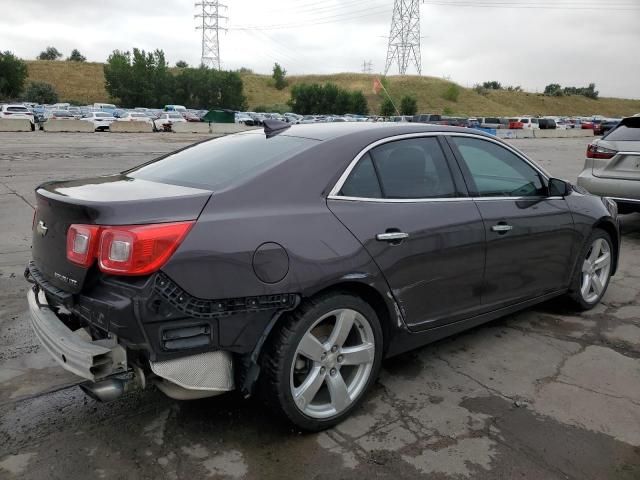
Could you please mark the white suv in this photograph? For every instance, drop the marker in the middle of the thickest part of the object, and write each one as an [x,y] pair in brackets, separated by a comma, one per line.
[18,111]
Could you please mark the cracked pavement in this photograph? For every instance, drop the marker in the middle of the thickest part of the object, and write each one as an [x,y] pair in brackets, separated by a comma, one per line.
[542,394]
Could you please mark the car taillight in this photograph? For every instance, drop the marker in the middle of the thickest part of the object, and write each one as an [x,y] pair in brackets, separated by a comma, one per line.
[139,249]
[596,151]
[82,242]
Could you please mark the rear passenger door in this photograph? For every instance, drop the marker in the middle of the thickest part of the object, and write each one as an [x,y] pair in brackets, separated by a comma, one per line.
[530,235]
[411,212]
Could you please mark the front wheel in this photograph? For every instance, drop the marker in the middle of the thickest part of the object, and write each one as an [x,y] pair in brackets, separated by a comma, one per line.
[322,360]
[593,271]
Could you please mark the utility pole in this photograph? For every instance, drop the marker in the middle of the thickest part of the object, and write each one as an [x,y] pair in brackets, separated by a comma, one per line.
[404,39]
[209,14]
[367,67]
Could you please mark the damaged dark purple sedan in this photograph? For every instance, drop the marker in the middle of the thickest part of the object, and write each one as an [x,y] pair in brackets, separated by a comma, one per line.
[290,262]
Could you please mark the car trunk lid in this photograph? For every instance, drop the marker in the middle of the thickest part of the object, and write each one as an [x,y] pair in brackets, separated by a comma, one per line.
[110,200]
[625,164]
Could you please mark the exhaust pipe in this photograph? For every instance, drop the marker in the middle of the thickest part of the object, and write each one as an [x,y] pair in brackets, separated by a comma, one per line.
[105,390]
[111,388]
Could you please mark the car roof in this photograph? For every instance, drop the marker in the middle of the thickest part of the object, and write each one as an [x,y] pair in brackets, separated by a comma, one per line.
[329,131]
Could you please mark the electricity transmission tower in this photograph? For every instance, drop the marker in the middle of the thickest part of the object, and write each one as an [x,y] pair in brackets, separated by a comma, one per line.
[367,67]
[404,39]
[209,13]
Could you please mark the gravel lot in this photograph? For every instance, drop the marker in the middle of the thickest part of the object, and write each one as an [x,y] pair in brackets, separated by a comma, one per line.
[543,394]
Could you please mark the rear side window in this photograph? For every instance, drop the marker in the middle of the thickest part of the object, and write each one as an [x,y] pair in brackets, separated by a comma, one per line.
[627,130]
[363,181]
[415,168]
[216,164]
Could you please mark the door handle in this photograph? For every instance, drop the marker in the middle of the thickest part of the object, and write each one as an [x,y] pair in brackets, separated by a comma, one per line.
[502,228]
[391,236]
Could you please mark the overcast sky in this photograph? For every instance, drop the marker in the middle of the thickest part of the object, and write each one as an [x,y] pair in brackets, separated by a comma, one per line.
[571,42]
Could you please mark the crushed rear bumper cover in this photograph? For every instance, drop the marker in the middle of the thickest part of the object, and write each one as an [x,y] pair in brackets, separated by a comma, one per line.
[88,359]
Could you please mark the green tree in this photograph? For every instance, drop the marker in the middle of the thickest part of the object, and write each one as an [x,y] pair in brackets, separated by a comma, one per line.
[13,73]
[181,64]
[386,108]
[210,89]
[493,85]
[359,104]
[139,78]
[41,92]
[50,53]
[76,56]
[554,90]
[408,105]
[279,76]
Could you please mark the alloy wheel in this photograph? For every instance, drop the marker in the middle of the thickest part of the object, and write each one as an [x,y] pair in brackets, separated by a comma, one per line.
[595,270]
[332,363]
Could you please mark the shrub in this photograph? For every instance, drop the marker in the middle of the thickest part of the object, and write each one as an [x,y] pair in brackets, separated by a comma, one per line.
[493,85]
[452,93]
[41,92]
[308,99]
[181,64]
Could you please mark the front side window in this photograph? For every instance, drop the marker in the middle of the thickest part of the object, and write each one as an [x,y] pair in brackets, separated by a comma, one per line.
[496,171]
[403,169]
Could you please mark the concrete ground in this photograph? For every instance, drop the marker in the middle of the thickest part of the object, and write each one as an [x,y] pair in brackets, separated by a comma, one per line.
[543,394]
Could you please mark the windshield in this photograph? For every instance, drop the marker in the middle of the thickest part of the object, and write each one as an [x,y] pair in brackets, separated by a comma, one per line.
[627,130]
[216,164]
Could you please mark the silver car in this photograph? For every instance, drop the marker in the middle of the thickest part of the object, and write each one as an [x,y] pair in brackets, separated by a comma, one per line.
[612,167]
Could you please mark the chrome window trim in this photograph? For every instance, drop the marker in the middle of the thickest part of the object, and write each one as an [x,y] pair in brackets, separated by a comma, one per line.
[334,193]
[438,200]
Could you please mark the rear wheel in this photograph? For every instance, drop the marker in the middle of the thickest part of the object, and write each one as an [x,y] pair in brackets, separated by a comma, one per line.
[593,272]
[322,360]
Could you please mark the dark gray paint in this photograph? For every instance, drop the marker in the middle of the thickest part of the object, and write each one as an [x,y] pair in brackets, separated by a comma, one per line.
[441,279]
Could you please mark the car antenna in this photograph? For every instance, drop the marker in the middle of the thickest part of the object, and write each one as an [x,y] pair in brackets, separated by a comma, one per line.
[274,127]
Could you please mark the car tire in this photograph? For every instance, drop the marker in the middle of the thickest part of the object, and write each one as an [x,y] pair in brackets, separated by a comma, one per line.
[321,360]
[592,271]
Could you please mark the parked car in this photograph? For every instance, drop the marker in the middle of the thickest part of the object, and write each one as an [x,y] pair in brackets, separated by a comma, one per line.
[17,111]
[203,272]
[175,108]
[101,120]
[490,122]
[135,116]
[76,112]
[612,167]
[104,107]
[244,119]
[515,124]
[547,124]
[528,123]
[427,118]
[191,117]
[166,119]
[608,125]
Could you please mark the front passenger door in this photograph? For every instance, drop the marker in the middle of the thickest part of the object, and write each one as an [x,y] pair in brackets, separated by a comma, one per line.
[529,234]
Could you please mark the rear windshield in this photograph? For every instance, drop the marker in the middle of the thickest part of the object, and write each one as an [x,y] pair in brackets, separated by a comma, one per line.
[491,120]
[102,115]
[627,130]
[216,164]
[17,109]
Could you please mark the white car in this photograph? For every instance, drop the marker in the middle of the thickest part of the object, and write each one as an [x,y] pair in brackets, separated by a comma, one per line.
[166,119]
[19,112]
[101,120]
[135,117]
[529,123]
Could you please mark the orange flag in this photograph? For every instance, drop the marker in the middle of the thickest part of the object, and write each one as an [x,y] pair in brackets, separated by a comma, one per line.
[377,86]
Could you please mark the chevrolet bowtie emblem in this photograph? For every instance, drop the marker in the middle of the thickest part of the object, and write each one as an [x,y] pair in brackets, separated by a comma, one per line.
[42,229]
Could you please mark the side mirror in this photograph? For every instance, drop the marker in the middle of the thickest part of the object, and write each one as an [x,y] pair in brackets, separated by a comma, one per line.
[558,188]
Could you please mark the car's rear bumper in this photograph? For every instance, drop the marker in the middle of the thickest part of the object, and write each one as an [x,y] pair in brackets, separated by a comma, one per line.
[80,355]
[619,189]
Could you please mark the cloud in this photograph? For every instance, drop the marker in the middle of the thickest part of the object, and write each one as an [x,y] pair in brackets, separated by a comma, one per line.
[520,46]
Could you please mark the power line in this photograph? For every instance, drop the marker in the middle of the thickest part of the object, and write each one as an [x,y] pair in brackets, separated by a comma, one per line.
[404,39]
[210,16]
[536,4]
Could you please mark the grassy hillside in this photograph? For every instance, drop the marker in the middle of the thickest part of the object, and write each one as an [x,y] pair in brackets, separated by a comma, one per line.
[84,82]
